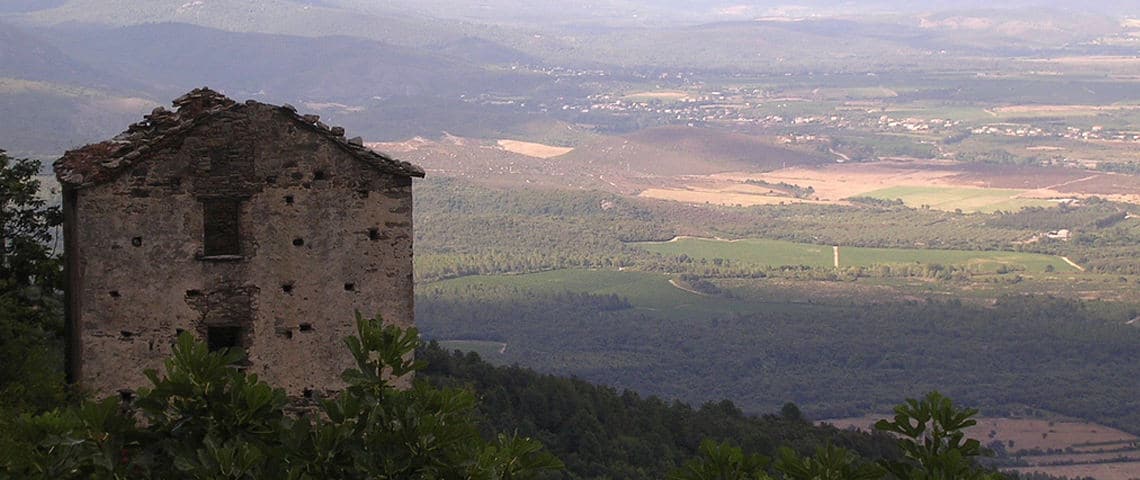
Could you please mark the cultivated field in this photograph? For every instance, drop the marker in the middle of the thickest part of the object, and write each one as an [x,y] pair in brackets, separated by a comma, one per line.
[742,195]
[532,149]
[759,252]
[969,200]
[1117,453]
[706,166]
[660,95]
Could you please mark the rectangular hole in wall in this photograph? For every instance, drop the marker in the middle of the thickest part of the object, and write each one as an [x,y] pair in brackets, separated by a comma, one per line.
[373,234]
[287,287]
[306,327]
[320,175]
[193,293]
[115,294]
[221,218]
[288,199]
[126,334]
[348,287]
[223,337]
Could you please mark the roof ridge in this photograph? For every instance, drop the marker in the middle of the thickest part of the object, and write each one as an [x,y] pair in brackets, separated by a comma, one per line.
[100,162]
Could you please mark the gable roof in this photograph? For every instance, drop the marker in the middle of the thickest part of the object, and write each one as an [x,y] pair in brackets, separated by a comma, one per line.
[101,162]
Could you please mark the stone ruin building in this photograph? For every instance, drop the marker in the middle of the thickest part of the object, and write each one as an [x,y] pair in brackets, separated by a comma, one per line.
[246,224]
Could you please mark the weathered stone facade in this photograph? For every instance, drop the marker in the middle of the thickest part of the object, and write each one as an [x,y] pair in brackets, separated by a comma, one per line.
[246,224]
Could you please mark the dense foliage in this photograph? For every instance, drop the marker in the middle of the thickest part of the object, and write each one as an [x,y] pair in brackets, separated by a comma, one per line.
[205,418]
[601,432]
[30,311]
[833,359]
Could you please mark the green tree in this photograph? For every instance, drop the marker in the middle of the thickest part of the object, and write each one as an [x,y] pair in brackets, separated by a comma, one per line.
[26,224]
[828,463]
[207,419]
[931,437]
[722,461]
[933,441]
[30,311]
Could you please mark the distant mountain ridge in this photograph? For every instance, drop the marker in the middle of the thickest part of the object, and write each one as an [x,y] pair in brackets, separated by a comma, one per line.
[27,56]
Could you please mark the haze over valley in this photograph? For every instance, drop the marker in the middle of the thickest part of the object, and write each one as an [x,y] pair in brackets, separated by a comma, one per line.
[832,203]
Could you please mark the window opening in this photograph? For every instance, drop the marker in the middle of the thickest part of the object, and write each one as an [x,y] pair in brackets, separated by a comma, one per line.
[221,337]
[221,219]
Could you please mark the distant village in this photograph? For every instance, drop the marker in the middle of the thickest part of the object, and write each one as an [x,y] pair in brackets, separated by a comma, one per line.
[679,98]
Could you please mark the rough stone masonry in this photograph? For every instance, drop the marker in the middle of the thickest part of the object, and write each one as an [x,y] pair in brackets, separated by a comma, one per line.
[247,224]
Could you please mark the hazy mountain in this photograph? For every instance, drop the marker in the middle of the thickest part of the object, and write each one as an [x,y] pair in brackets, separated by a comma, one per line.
[674,12]
[22,6]
[27,56]
[177,57]
[50,101]
[289,17]
[355,82]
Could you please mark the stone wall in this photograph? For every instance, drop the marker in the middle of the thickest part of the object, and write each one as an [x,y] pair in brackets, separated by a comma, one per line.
[322,234]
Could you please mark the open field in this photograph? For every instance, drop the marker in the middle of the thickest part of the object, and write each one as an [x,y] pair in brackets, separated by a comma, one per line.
[1026,433]
[986,200]
[532,149]
[728,195]
[777,253]
[648,291]
[662,95]
[1082,439]
[836,182]
[1029,111]
[1103,471]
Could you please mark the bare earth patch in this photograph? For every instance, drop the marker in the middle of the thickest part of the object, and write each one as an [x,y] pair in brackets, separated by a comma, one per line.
[658,95]
[728,194]
[833,183]
[532,149]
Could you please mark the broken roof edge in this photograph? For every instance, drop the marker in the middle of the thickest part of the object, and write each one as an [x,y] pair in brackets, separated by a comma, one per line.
[101,162]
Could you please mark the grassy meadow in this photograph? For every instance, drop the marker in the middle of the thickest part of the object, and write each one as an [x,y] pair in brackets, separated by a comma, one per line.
[760,252]
[969,200]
